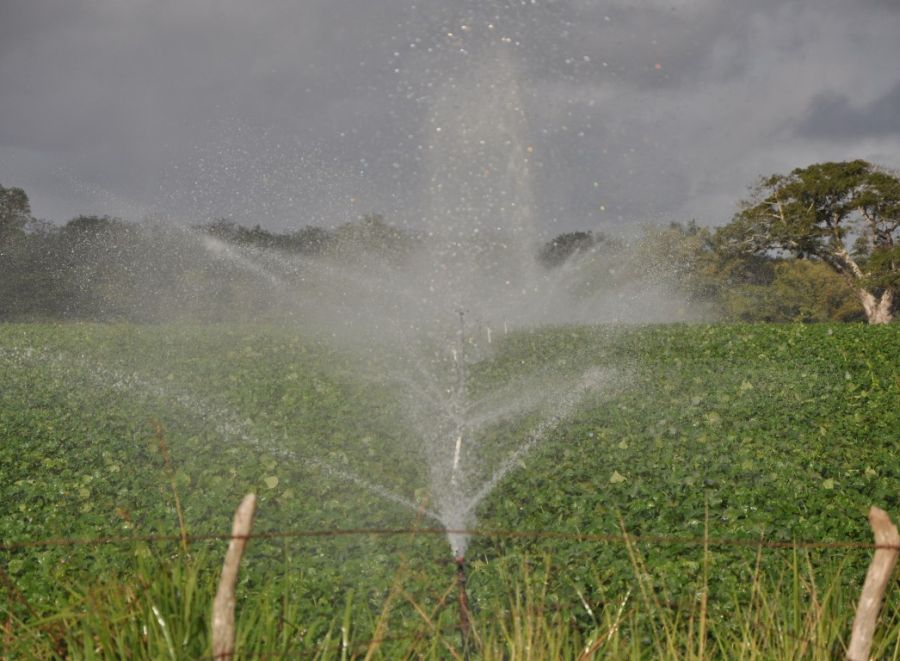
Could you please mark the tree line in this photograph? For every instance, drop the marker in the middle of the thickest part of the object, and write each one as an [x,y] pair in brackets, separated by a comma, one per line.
[817,244]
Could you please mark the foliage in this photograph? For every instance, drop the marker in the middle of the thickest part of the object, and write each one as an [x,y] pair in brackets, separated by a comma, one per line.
[748,287]
[308,240]
[15,274]
[559,249]
[102,268]
[685,256]
[743,287]
[807,291]
[814,212]
[15,214]
[371,235]
[797,290]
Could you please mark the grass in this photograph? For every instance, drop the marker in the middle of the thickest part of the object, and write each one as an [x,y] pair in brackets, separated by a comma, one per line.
[161,610]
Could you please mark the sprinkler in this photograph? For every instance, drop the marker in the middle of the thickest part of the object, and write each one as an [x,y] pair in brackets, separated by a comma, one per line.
[463,598]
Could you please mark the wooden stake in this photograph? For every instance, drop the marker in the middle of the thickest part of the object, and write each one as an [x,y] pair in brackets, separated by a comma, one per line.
[877,578]
[223,605]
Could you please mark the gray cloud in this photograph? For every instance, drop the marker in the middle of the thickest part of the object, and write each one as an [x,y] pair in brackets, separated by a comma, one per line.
[833,116]
[285,113]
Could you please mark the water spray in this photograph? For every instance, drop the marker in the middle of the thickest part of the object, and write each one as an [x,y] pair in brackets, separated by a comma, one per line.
[456,452]
[459,357]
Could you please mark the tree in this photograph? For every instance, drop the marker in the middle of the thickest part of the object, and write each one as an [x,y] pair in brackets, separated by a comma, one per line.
[90,227]
[556,251]
[96,268]
[371,235]
[814,212]
[309,240]
[15,214]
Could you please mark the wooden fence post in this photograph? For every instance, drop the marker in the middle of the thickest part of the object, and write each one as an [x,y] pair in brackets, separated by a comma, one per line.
[877,579]
[223,605]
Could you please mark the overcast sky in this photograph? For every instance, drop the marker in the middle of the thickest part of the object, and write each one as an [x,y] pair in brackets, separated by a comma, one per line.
[295,112]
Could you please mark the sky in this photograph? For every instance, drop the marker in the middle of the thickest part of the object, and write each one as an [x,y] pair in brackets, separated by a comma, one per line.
[287,113]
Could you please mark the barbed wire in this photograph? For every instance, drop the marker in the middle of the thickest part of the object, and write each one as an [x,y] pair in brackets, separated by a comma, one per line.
[596,538]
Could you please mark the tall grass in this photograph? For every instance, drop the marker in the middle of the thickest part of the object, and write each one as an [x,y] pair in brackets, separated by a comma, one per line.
[161,610]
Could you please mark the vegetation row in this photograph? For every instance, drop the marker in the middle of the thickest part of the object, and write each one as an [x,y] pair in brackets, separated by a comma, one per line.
[818,244]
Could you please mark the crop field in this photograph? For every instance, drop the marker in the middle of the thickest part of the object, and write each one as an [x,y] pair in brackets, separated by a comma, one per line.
[725,432]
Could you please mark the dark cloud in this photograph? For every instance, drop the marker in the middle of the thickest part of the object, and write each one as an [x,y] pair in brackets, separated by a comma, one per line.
[833,116]
[284,112]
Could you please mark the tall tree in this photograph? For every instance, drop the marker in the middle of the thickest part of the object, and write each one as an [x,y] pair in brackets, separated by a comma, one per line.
[820,212]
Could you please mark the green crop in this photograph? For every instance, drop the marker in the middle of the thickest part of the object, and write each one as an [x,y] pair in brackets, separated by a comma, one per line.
[775,433]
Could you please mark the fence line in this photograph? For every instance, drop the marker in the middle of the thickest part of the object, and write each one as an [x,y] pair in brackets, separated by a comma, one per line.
[887,549]
[658,540]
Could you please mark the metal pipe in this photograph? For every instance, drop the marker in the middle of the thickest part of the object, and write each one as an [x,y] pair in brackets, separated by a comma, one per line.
[464,622]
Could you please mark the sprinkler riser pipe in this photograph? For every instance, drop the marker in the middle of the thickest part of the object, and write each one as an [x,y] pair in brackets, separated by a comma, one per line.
[464,623]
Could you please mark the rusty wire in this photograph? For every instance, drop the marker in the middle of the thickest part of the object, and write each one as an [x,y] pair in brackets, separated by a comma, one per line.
[658,540]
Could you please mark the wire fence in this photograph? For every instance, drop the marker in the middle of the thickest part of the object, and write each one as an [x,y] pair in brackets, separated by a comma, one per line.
[428,632]
[596,538]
